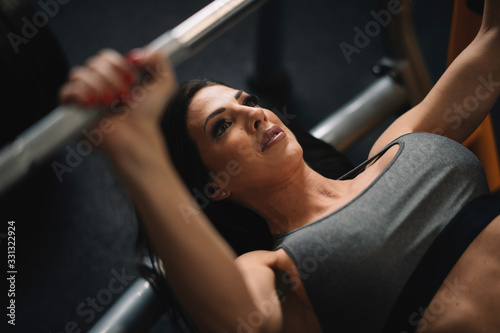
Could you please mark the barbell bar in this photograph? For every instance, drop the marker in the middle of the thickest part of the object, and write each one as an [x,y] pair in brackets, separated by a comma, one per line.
[40,141]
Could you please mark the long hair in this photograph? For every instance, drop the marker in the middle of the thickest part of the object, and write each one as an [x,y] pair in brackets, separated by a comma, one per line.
[242,228]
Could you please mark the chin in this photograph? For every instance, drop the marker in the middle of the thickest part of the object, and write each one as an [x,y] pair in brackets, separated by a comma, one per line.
[293,155]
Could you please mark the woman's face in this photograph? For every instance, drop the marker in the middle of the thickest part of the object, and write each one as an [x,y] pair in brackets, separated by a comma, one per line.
[244,145]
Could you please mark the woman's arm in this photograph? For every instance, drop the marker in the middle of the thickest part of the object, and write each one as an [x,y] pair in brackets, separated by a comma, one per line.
[199,264]
[464,94]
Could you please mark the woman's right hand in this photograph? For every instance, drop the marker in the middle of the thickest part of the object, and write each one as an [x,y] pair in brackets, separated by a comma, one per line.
[135,90]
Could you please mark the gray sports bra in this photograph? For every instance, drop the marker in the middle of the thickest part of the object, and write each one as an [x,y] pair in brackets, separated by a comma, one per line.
[355,262]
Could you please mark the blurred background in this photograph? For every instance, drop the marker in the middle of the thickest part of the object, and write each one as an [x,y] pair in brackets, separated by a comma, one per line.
[76,235]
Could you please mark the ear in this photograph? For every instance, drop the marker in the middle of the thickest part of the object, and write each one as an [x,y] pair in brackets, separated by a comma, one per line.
[217,193]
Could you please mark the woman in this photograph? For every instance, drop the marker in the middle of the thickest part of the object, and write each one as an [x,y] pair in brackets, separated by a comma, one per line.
[350,254]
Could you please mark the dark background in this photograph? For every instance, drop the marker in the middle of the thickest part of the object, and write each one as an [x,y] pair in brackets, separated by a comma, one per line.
[72,235]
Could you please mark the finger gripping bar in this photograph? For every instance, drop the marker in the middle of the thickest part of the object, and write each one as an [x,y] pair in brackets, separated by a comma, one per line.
[64,123]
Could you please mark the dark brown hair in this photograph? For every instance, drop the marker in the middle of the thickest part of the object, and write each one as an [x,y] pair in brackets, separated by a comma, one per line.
[242,228]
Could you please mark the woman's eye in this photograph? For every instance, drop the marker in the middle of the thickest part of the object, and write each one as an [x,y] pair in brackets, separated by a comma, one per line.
[220,127]
[251,101]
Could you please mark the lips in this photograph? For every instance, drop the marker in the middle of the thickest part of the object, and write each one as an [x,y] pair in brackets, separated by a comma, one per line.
[271,136]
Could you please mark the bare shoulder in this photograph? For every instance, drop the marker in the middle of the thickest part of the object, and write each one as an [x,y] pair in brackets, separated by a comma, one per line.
[405,124]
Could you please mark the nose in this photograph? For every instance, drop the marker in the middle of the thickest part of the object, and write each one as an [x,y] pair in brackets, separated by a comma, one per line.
[256,117]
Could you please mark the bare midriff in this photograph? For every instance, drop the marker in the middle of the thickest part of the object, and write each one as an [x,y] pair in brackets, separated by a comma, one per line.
[468,299]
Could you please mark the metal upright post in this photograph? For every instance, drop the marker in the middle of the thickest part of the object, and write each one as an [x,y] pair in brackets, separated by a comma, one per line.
[269,79]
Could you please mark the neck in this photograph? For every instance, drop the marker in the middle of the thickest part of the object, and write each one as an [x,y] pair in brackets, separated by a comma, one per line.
[295,201]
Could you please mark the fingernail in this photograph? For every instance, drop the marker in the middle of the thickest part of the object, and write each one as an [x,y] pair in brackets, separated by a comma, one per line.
[129,77]
[89,101]
[107,98]
[134,56]
[124,95]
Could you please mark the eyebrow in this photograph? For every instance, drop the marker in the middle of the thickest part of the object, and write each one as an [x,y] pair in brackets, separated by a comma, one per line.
[220,110]
[210,116]
[238,94]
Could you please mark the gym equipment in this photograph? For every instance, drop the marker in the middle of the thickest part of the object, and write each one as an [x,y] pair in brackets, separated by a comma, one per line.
[44,138]
[384,97]
[403,80]
[32,69]
[137,309]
